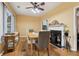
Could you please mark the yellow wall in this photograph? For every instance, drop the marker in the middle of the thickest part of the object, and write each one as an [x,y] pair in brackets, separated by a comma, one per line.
[64,13]
[24,23]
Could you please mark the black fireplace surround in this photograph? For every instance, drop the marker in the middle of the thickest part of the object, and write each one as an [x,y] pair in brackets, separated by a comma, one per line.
[55,38]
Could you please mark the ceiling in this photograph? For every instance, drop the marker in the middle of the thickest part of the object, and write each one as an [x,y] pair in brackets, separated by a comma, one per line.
[23,11]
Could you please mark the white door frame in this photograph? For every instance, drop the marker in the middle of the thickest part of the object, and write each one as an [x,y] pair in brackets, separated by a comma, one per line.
[75,27]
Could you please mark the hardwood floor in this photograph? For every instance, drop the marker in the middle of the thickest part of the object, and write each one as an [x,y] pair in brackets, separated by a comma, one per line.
[22,50]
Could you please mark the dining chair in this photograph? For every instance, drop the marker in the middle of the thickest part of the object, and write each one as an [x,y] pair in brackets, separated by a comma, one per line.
[43,41]
[31,38]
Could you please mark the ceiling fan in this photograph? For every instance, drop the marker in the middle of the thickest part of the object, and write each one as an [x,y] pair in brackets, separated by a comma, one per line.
[37,5]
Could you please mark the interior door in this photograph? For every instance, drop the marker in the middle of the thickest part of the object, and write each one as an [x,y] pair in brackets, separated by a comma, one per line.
[77,19]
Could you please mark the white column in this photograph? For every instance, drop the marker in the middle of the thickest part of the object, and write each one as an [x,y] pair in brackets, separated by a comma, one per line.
[62,38]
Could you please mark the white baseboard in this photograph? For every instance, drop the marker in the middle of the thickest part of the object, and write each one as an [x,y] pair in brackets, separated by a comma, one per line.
[73,49]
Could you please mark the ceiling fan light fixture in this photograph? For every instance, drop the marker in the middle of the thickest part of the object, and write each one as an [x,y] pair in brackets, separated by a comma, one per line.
[34,11]
[37,10]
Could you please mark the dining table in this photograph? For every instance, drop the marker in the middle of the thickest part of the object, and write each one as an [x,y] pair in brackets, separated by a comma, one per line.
[32,36]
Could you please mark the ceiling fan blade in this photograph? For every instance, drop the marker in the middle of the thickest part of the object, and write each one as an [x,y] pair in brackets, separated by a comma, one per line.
[28,7]
[33,3]
[41,9]
[43,3]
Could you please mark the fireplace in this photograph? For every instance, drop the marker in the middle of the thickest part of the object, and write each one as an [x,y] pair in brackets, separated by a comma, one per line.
[56,38]
[57,35]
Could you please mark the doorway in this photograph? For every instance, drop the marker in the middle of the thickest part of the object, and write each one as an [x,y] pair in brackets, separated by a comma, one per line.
[77,25]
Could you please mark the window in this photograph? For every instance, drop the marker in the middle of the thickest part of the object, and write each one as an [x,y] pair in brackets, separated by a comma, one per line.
[8,24]
[8,21]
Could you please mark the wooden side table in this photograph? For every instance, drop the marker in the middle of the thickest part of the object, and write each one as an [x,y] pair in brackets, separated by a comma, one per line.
[9,39]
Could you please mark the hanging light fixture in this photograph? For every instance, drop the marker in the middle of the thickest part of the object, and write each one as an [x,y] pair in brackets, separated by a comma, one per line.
[35,10]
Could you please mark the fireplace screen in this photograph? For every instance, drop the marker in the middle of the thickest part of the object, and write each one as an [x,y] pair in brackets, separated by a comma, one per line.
[56,38]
